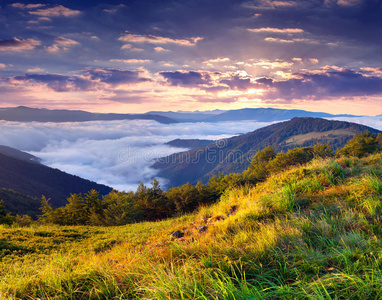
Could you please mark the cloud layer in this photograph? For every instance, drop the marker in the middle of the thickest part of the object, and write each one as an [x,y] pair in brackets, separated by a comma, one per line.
[116,153]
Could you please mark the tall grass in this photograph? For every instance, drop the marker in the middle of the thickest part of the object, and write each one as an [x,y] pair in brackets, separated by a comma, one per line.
[312,232]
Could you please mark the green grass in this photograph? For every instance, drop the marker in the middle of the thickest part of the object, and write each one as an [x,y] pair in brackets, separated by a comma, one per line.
[312,232]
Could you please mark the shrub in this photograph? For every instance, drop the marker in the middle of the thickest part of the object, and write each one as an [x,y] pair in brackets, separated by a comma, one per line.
[360,145]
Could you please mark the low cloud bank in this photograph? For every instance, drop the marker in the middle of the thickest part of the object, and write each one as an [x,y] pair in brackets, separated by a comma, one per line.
[115,153]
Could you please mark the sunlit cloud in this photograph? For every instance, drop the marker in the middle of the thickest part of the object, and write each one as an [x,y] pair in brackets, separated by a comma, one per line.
[216,60]
[277,30]
[346,3]
[57,11]
[267,64]
[27,6]
[152,39]
[161,49]
[278,40]
[314,60]
[18,45]
[131,48]
[132,61]
[35,70]
[374,71]
[61,43]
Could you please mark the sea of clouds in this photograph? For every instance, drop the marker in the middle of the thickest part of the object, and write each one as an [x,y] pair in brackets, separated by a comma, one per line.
[118,153]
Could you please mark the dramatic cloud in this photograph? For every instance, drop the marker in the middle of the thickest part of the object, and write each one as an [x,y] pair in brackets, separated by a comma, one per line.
[116,153]
[57,11]
[323,85]
[326,83]
[213,52]
[152,39]
[18,45]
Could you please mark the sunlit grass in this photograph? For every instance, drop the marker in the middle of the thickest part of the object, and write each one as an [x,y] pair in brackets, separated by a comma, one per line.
[312,232]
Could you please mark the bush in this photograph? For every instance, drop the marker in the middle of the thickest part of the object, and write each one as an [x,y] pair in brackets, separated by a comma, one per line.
[258,167]
[293,157]
[362,144]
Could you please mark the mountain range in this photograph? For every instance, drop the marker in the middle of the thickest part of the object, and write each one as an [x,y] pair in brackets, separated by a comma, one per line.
[254,114]
[27,114]
[234,154]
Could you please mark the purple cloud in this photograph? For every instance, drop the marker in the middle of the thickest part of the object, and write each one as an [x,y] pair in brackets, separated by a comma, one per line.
[116,77]
[187,78]
[88,80]
[325,84]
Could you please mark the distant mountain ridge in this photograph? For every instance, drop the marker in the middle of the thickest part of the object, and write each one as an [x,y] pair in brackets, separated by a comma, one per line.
[269,115]
[254,114]
[27,114]
[234,154]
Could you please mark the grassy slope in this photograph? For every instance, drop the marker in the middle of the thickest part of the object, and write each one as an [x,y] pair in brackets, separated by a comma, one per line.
[313,232]
[330,135]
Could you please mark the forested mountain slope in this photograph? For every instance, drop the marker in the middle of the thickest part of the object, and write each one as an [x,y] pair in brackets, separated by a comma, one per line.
[36,180]
[234,154]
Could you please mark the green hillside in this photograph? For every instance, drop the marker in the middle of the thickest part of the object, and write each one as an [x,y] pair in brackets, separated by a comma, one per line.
[309,231]
[234,154]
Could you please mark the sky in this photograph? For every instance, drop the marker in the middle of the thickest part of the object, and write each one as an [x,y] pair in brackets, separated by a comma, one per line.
[134,56]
